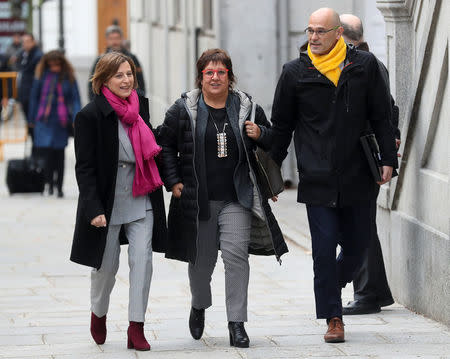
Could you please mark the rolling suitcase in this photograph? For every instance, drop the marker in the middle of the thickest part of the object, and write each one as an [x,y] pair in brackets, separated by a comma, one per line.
[25,176]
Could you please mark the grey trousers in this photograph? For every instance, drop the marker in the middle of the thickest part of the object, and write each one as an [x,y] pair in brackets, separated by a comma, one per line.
[139,234]
[228,229]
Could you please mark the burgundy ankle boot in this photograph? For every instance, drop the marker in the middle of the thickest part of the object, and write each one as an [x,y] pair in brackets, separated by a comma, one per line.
[136,337]
[98,328]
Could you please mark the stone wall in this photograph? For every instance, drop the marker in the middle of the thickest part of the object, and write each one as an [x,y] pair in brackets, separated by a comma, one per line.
[415,209]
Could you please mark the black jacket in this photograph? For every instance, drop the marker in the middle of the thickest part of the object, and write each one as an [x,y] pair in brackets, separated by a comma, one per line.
[328,122]
[96,151]
[26,64]
[139,75]
[182,162]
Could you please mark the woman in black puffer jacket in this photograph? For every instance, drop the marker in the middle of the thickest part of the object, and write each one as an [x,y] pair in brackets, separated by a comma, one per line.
[208,164]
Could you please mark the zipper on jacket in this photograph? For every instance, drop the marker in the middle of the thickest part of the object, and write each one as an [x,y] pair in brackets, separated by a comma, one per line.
[256,186]
[347,95]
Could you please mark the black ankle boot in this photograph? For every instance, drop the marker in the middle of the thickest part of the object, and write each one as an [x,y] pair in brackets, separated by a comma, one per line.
[238,335]
[197,322]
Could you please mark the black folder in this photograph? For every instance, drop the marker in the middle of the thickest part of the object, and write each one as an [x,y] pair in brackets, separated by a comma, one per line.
[372,151]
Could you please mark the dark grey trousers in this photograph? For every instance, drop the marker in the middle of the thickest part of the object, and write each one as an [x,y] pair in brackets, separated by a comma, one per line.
[228,229]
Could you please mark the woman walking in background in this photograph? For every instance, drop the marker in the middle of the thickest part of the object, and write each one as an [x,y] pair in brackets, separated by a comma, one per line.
[120,197]
[54,102]
[209,165]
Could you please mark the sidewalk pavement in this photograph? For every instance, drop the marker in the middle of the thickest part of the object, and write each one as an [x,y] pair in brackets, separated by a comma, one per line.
[44,298]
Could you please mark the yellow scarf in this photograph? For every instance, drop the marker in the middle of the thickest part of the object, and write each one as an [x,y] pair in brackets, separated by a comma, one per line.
[328,64]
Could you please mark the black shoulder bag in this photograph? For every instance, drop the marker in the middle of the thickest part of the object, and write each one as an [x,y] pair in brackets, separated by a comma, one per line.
[267,171]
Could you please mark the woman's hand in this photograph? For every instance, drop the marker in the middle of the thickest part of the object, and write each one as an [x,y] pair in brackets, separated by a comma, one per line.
[177,189]
[252,129]
[274,198]
[99,221]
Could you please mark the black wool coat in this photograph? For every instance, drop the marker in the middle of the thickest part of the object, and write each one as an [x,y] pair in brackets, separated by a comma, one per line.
[97,150]
[180,163]
[328,122]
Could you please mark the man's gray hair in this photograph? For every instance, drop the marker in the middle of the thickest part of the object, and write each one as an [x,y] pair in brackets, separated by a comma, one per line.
[353,33]
[113,29]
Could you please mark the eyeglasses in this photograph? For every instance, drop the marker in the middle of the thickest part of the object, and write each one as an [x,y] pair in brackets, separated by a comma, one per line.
[219,72]
[320,32]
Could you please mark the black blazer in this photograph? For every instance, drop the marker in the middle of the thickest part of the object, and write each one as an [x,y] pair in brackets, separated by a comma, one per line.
[96,151]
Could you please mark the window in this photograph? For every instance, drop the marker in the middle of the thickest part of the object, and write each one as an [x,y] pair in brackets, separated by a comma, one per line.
[208,14]
[155,11]
[177,12]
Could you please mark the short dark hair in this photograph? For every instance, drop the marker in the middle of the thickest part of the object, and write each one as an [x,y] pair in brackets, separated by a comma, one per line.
[107,67]
[113,29]
[215,56]
[353,33]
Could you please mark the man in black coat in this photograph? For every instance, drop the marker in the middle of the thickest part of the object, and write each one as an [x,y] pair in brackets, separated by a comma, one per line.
[370,285]
[329,97]
[114,42]
[27,60]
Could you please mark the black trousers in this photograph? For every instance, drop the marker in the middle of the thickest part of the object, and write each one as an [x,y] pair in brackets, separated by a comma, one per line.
[54,165]
[25,106]
[370,283]
[350,227]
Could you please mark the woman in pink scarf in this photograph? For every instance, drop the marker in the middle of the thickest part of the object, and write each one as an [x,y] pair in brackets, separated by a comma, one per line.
[120,197]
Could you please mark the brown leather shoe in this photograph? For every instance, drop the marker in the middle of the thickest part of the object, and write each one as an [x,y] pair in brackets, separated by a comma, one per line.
[335,332]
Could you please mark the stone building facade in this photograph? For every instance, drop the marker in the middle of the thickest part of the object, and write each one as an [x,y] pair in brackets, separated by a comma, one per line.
[414,215]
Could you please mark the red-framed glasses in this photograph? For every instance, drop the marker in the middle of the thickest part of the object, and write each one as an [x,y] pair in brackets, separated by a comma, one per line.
[211,72]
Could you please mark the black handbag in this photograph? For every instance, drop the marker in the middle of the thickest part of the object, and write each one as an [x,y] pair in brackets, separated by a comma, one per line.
[268,173]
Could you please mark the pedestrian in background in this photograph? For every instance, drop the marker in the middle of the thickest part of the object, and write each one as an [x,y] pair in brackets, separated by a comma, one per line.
[8,62]
[115,42]
[27,61]
[120,197]
[13,50]
[328,98]
[370,285]
[54,102]
[209,166]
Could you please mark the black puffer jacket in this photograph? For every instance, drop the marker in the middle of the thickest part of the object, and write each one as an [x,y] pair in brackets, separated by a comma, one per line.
[328,122]
[179,163]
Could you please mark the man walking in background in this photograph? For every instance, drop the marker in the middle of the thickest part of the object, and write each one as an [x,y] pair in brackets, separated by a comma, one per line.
[328,97]
[114,42]
[370,285]
[27,60]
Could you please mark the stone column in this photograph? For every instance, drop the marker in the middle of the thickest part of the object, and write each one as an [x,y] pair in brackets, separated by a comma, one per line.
[400,48]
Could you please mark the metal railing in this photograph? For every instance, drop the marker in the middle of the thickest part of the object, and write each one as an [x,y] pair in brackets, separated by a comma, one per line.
[13,126]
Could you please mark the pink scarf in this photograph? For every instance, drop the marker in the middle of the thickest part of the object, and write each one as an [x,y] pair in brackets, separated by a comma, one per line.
[146,177]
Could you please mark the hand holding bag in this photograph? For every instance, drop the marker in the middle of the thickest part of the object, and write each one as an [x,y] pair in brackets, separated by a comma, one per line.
[372,151]
[268,173]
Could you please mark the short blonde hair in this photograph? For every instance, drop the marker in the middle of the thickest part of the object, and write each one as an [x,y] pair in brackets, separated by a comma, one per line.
[107,67]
